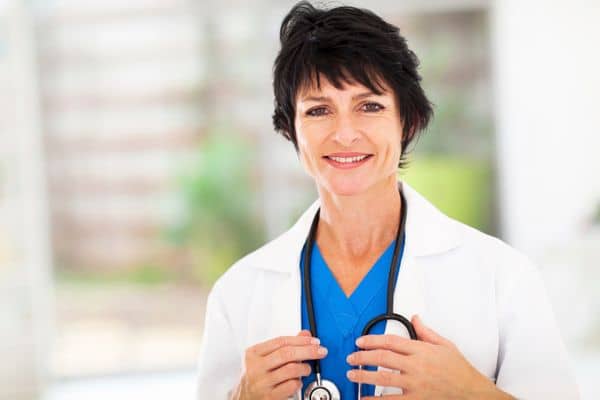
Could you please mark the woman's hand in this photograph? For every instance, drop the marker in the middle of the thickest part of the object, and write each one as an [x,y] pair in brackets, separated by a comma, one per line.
[432,368]
[273,369]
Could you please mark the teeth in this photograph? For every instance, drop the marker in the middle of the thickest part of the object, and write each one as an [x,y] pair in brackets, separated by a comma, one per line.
[348,159]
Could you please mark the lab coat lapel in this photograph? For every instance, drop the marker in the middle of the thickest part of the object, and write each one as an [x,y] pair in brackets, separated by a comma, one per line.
[286,312]
[284,260]
[409,300]
[428,232]
[286,317]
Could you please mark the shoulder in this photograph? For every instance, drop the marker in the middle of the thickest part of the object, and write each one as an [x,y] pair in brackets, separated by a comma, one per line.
[436,234]
[494,247]
[242,272]
[237,295]
[504,262]
[488,271]
[271,259]
[240,278]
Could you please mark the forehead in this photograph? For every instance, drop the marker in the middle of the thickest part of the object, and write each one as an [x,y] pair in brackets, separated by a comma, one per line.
[323,86]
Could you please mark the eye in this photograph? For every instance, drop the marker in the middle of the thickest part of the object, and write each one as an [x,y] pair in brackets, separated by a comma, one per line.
[317,111]
[372,107]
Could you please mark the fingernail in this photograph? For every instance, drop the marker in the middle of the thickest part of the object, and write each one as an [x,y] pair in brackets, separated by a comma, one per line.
[360,341]
[349,358]
[322,350]
[315,341]
[350,373]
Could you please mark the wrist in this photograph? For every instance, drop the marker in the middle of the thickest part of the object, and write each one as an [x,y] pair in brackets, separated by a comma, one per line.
[490,392]
[500,395]
[487,389]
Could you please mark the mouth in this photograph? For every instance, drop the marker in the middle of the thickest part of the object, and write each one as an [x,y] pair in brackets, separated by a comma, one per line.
[348,160]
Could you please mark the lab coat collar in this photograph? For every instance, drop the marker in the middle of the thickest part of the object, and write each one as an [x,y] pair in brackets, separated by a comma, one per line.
[428,232]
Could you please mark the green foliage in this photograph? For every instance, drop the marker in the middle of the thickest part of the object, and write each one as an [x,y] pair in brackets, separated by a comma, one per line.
[218,222]
[459,187]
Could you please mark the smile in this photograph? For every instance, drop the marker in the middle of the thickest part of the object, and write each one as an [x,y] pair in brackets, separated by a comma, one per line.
[347,162]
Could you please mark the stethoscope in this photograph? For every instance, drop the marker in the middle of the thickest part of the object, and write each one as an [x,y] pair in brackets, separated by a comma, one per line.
[323,389]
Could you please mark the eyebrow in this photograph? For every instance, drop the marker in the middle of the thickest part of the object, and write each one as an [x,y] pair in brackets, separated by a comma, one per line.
[325,98]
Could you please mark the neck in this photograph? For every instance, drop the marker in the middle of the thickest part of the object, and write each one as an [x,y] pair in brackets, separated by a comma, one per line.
[354,227]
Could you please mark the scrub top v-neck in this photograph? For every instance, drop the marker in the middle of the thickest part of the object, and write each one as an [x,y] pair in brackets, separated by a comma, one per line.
[341,319]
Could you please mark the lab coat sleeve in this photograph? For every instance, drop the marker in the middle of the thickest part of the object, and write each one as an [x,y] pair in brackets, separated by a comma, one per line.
[219,365]
[532,359]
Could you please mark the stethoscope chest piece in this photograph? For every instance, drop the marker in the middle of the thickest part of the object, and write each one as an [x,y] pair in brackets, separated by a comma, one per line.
[323,390]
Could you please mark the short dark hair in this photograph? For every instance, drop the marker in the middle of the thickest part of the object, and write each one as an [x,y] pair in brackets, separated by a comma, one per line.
[346,45]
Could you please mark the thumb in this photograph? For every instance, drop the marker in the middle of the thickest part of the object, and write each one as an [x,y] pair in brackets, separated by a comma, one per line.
[426,334]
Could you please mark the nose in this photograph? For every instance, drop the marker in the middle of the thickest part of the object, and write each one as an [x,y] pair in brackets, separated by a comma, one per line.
[345,131]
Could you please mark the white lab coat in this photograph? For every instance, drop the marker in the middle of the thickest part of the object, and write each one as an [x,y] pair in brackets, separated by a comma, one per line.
[471,288]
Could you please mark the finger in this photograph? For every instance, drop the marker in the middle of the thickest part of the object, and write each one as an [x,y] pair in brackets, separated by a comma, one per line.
[304,332]
[380,377]
[264,348]
[288,354]
[289,371]
[286,389]
[427,334]
[406,395]
[397,344]
[378,358]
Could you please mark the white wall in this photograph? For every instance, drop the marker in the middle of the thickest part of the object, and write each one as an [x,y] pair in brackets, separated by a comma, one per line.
[548,91]
[25,306]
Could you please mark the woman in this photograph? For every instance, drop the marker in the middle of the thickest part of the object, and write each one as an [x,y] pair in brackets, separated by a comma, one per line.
[347,95]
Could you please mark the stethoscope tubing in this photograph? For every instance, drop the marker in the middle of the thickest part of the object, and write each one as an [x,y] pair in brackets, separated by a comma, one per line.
[393,273]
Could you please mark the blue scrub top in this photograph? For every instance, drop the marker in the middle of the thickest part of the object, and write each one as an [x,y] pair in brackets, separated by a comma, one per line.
[340,319]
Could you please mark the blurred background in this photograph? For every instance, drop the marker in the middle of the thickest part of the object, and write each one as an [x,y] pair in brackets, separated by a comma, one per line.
[138,162]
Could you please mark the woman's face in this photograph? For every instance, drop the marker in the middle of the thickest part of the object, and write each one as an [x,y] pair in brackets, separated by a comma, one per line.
[348,139]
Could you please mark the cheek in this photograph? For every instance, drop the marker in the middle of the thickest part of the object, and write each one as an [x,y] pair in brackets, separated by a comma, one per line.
[396,140]
[303,143]
[308,153]
[308,137]
[388,134]
[398,145]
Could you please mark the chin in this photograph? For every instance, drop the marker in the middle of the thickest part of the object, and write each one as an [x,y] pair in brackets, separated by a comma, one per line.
[346,187]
